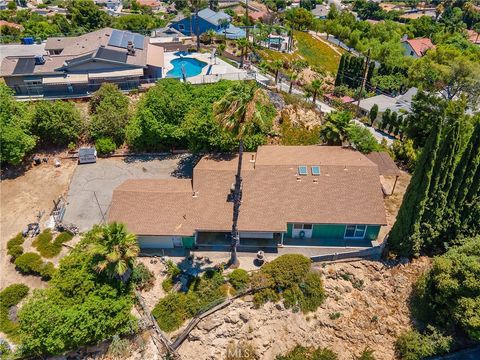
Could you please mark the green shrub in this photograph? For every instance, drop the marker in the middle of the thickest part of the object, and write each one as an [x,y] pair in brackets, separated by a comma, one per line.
[448,296]
[171,311]
[119,348]
[29,263]
[32,264]
[287,270]
[412,345]
[142,277]
[5,350]
[203,293]
[167,284]
[48,248]
[14,246]
[306,353]
[105,146]
[290,276]
[335,315]
[172,269]
[10,296]
[366,354]
[239,279]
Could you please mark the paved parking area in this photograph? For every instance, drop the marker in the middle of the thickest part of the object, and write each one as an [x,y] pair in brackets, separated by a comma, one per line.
[90,192]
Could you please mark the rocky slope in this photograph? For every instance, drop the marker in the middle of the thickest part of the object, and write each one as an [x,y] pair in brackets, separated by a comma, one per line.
[367,306]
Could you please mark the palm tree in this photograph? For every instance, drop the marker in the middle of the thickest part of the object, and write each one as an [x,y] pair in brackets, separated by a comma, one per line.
[238,113]
[188,15]
[115,251]
[293,76]
[243,45]
[276,65]
[315,88]
[196,4]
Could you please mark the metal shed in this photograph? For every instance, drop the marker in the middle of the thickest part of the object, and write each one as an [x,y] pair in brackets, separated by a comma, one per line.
[87,155]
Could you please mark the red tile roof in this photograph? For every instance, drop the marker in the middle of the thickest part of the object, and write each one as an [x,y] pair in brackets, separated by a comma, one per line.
[473,36]
[420,45]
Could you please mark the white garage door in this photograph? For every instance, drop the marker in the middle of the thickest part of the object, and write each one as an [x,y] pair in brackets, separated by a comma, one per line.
[155,242]
[256,235]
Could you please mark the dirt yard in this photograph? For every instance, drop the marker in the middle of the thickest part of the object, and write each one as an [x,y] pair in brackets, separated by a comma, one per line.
[21,199]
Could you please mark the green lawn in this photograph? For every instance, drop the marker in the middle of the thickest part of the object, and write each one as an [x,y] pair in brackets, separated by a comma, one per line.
[314,51]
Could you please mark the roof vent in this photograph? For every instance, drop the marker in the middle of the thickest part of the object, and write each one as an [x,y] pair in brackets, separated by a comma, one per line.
[315,181]
[130,49]
[195,194]
[252,159]
[299,178]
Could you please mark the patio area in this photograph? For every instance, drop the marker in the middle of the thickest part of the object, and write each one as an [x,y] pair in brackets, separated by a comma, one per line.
[330,243]
[215,69]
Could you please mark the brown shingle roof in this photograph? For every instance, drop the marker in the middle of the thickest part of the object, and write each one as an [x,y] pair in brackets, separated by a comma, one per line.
[348,191]
[386,165]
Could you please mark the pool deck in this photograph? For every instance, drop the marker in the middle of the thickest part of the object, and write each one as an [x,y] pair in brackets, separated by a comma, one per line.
[214,67]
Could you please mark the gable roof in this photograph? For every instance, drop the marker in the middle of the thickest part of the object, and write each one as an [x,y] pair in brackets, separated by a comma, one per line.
[348,191]
[401,103]
[386,165]
[420,45]
[213,17]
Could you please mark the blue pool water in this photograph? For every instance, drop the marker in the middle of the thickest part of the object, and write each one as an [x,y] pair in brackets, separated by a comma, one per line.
[192,67]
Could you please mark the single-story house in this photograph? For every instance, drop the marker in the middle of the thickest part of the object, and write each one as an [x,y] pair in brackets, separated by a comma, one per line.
[217,21]
[417,47]
[401,104]
[78,65]
[324,196]
[321,11]
[11,25]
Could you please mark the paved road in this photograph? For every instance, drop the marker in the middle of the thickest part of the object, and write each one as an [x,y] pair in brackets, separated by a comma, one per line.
[21,50]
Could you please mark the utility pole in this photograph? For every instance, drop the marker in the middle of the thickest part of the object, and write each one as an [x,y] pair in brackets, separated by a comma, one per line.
[364,81]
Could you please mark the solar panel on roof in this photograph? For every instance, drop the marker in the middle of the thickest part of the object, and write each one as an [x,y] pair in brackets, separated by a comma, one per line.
[113,55]
[121,38]
[24,66]
[115,38]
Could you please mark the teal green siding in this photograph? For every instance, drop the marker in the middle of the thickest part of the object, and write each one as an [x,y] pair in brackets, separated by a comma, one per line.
[188,242]
[289,230]
[372,232]
[328,231]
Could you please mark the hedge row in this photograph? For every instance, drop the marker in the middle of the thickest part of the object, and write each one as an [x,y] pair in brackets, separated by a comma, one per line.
[48,248]
[14,246]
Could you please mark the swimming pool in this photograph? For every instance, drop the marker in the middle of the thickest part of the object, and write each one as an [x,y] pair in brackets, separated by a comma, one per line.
[192,67]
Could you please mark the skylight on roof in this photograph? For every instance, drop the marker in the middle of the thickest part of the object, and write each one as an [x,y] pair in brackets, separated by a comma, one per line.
[302,170]
[316,170]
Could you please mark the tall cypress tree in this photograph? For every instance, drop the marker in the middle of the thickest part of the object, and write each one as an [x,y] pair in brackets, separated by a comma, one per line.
[405,237]
[463,197]
[341,69]
[441,182]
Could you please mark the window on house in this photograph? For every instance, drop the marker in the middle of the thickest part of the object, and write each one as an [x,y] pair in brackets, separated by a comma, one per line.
[297,226]
[307,226]
[302,170]
[303,226]
[316,170]
[355,231]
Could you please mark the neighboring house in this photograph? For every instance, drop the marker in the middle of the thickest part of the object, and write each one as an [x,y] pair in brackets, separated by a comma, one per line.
[152,4]
[209,20]
[3,5]
[321,11]
[323,196]
[109,4]
[473,37]
[11,25]
[78,65]
[402,104]
[417,47]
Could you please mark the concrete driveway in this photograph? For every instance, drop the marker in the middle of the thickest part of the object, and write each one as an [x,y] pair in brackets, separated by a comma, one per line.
[90,192]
